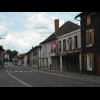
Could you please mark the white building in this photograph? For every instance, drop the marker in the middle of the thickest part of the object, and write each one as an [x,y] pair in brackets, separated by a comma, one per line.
[70,51]
[25,60]
[54,57]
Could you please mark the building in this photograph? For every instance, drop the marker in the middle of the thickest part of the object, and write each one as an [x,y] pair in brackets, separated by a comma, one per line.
[69,49]
[90,31]
[6,57]
[51,57]
[1,57]
[46,48]
[36,57]
[25,59]
[15,60]
[21,59]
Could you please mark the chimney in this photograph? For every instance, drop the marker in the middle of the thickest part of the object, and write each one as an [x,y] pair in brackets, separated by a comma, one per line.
[56,24]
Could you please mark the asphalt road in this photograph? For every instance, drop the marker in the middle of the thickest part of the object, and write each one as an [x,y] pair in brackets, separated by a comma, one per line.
[19,76]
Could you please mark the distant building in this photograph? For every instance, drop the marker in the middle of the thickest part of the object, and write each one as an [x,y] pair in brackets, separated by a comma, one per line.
[21,59]
[6,57]
[15,60]
[26,59]
[36,57]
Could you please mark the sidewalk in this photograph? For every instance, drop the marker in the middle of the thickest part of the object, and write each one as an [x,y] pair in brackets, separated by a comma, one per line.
[72,75]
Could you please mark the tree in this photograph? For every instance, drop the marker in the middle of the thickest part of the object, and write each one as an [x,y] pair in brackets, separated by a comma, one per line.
[12,54]
[6,60]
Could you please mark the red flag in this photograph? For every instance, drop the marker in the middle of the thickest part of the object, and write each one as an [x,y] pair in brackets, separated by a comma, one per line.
[54,46]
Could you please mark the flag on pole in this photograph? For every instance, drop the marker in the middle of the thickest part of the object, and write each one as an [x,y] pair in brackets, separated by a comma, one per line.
[54,46]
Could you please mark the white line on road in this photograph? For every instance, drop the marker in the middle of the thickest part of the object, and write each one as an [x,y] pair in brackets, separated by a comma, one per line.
[30,71]
[25,71]
[20,71]
[18,79]
[16,71]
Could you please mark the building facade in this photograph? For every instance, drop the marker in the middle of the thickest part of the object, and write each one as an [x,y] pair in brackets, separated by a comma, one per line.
[15,60]
[53,56]
[69,48]
[25,60]
[90,29]
[36,57]
[21,59]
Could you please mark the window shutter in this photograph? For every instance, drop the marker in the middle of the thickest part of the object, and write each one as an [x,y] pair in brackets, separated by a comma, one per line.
[92,36]
[85,61]
[93,61]
[87,37]
[88,20]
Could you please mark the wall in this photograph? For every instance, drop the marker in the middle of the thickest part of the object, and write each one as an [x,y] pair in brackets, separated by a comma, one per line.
[67,36]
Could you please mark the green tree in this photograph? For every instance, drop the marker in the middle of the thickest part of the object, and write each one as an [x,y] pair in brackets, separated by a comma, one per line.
[6,60]
[12,54]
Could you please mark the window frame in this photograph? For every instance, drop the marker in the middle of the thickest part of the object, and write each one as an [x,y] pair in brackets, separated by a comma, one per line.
[76,42]
[64,45]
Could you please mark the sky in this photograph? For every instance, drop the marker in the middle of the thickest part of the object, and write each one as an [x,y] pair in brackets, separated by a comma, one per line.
[22,30]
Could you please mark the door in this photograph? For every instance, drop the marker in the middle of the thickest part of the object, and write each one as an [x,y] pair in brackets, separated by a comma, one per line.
[46,62]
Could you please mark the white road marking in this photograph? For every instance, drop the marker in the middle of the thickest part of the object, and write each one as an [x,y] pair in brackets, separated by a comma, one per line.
[16,71]
[30,71]
[18,79]
[25,71]
[20,71]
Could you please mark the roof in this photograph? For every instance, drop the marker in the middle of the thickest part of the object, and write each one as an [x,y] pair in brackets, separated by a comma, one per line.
[50,38]
[67,27]
[21,56]
[82,14]
[39,46]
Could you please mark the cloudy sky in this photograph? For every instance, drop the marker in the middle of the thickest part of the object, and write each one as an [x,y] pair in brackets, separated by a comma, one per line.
[22,30]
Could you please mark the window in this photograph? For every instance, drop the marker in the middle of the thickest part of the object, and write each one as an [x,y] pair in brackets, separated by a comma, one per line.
[89,62]
[88,20]
[69,41]
[51,49]
[59,46]
[33,52]
[90,37]
[76,42]
[64,45]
